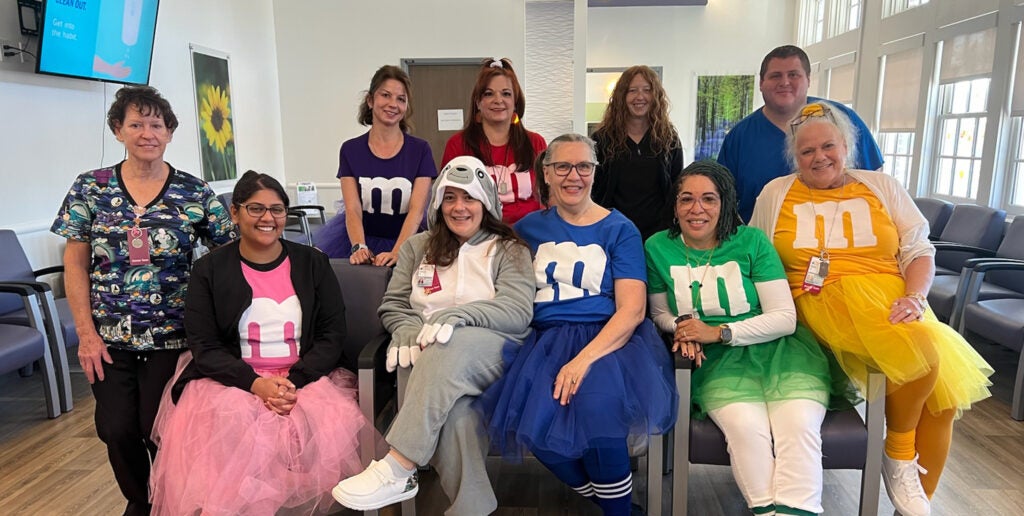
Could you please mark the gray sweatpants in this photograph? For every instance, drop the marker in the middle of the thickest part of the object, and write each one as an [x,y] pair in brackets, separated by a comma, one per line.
[436,423]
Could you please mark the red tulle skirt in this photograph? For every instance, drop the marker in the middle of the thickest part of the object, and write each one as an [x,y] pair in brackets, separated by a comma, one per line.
[222,452]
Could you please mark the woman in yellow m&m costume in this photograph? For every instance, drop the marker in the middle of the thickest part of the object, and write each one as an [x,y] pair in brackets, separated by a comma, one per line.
[859,264]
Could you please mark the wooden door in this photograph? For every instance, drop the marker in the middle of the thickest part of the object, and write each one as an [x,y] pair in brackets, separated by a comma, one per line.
[440,84]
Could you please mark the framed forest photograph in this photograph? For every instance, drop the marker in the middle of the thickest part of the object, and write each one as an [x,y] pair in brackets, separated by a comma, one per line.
[722,101]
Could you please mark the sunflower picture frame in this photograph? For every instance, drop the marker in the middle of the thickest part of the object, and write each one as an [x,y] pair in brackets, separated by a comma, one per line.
[214,113]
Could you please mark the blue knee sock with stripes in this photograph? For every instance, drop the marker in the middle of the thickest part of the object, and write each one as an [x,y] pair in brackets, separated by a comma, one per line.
[568,470]
[608,469]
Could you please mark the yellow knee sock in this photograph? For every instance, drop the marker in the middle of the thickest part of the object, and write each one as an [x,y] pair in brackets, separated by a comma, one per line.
[900,445]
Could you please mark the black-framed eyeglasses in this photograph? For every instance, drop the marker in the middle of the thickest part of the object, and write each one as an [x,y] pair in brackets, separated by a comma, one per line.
[809,111]
[255,209]
[562,168]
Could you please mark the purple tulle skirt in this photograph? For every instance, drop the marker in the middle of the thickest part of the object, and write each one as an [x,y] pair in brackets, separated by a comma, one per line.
[222,452]
[333,239]
[629,393]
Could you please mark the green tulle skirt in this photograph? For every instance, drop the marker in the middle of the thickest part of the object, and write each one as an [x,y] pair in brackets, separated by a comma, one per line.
[791,367]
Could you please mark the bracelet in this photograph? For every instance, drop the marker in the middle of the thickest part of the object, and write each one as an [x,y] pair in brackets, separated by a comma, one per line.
[919,297]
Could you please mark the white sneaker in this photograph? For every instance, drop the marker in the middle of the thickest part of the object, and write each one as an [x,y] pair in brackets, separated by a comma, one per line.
[903,483]
[376,487]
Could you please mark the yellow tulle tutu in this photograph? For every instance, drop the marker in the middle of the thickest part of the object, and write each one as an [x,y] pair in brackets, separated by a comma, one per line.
[851,316]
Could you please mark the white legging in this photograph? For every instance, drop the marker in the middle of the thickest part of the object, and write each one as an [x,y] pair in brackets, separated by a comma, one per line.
[791,475]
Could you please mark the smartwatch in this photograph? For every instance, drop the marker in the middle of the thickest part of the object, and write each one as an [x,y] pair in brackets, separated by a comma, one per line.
[726,333]
[357,247]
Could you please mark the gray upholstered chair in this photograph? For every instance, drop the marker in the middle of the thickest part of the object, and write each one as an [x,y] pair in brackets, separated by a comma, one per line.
[937,211]
[848,442]
[362,288]
[26,344]
[57,323]
[972,232]
[969,226]
[991,302]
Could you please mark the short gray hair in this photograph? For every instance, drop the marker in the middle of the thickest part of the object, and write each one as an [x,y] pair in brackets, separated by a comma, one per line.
[570,138]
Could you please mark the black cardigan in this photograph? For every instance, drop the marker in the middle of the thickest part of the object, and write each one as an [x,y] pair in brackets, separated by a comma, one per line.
[217,296]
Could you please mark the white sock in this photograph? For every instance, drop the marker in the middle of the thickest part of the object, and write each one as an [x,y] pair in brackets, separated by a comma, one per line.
[397,468]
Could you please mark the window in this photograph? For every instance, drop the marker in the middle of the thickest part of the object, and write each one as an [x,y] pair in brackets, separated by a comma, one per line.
[965,70]
[845,16]
[897,121]
[961,126]
[841,81]
[812,21]
[1013,196]
[1015,190]
[898,153]
[892,7]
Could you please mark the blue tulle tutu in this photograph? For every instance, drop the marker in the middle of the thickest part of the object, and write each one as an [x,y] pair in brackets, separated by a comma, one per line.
[333,239]
[629,392]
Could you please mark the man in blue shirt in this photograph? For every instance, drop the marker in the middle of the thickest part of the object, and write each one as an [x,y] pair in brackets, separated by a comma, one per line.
[755,149]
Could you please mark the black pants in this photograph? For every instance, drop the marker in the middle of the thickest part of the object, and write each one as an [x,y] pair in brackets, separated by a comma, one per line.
[126,404]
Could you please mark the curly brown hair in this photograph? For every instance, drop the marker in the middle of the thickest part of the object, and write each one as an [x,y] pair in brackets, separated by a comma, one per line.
[613,128]
[144,98]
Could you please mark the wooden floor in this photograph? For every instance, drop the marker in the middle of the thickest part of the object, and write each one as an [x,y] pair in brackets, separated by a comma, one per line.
[51,467]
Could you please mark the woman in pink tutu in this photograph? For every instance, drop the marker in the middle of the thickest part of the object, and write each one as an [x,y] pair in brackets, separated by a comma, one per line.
[258,420]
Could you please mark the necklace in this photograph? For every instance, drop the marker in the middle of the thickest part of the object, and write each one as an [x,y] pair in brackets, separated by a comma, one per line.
[501,171]
[695,292]
[823,250]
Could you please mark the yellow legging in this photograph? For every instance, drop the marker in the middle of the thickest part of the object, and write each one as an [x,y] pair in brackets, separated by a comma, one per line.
[905,411]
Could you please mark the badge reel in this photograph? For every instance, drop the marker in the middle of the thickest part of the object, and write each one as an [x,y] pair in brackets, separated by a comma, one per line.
[138,246]
[817,271]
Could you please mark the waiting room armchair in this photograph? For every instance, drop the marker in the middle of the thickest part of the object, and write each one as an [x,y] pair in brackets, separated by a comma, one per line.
[363,287]
[21,345]
[848,442]
[990,302]
[57,323]
[937,212]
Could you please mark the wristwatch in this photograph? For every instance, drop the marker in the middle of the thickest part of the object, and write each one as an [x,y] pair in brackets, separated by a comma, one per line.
[726,333]
[357,247]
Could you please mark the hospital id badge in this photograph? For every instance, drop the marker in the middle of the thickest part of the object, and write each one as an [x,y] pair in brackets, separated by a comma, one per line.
[425,275]
[138,246]
[817,271]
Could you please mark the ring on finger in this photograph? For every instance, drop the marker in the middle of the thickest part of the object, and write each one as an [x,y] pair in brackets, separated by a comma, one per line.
[909,311]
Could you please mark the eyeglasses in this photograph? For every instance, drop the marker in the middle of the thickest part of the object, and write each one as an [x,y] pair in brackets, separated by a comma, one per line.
[562,168]
[707,201]
[816,110]
[257,210]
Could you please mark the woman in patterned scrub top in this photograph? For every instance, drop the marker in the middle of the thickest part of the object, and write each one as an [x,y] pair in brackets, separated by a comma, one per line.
[131,231]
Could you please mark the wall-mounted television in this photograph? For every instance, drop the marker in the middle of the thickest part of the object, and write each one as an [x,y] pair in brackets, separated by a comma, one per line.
[104,40]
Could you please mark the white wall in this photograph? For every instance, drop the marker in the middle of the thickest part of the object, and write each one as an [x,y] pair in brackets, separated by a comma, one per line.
[549,67]
[328,51]
[54,128]
[299,70]
[726,37]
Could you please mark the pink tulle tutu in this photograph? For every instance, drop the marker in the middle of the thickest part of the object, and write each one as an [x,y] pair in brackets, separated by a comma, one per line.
[222,452]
